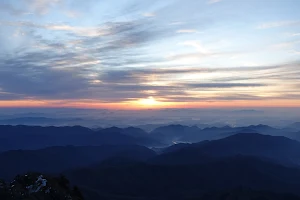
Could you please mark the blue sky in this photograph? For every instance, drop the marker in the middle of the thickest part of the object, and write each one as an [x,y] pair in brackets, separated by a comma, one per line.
[149,53]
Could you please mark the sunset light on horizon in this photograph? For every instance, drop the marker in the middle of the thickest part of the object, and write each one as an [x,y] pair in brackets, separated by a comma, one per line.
[149,54]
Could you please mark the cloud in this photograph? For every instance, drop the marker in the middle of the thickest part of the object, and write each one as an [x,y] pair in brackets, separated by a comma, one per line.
[149,14]
[46,75]
[116,74]
[197,45]
[187,31]
[214,1]
[120,58]
[32,81]
[278,24]
[71,69]
[176,23]
[42,6]
[295,34]
[190,57]
[6,7]
[80,31]
[223,85]
[216,98]
[72,13]
[285,45]
[134,28]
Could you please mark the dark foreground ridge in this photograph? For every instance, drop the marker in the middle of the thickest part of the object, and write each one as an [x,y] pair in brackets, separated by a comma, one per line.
[35,186]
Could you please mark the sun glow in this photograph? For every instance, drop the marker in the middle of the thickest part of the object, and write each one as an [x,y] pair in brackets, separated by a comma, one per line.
[150,101]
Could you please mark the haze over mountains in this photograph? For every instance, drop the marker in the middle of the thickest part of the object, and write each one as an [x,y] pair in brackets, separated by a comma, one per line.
[149,119]
[35,137]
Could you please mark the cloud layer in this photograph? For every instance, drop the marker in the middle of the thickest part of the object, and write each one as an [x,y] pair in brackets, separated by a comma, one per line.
[65,51]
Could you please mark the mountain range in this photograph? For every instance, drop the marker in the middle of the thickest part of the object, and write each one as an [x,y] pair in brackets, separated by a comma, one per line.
[37,137]
[130,163]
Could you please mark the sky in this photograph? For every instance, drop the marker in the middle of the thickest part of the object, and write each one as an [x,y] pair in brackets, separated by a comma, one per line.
[141,54]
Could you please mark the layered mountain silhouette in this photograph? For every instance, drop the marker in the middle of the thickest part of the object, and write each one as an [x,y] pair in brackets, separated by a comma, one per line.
[178,133]
[295,126]
[36,137]
[274,148]
[37,121]
[112,163]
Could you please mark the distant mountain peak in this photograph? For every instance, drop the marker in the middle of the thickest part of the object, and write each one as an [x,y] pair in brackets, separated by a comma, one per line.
[226,127]
[295,125]
[211,128]
[113,128]
[260,126]
[252,135]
